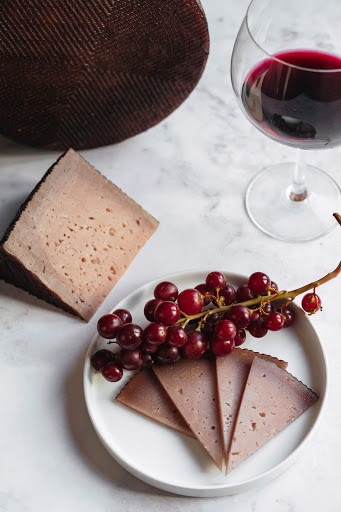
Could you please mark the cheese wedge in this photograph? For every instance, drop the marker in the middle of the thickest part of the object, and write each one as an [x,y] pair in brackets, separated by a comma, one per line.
[143,393]
[272,399]
[232,374]
[74,237]
[192,387]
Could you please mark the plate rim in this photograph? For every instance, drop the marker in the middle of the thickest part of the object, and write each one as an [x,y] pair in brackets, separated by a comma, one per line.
[203,490]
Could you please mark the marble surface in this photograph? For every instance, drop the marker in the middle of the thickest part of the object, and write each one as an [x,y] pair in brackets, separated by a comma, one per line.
[191,173]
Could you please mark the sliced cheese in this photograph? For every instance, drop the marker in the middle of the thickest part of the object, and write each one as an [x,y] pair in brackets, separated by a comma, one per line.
[74,237]
[143,393]
[272,399]
[232,373]
[192,387]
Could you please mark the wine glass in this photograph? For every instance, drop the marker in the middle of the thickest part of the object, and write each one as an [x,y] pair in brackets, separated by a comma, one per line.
[286,75]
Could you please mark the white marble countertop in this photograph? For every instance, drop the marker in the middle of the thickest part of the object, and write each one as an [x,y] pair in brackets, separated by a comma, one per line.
[190,172]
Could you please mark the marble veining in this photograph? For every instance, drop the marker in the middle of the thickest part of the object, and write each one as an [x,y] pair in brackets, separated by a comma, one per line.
[191,172]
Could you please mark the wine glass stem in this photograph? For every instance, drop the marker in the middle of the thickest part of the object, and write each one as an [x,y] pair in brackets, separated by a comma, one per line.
[298,191]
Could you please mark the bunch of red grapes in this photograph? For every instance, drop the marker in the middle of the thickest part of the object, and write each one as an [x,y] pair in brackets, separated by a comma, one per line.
[193,323]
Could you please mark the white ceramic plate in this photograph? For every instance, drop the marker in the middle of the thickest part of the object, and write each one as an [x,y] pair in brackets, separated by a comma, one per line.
[176,463]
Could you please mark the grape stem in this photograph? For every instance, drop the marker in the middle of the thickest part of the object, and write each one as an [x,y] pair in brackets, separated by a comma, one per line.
[337,217]
[264,299]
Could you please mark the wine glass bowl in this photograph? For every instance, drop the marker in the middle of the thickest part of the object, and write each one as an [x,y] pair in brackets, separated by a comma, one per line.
[298,106]
[286,75]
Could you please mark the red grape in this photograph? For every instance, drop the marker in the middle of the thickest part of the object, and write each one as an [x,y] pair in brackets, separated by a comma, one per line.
[176,336]
[259,283]
[148,348]
[239,338]
[215,280]
[166,291]
[100,358]
[124,315]
[149,309]
[267,308]
[131,359]
[195,346]
[274,286]
[228,293]
[190,301]
[167,354]
[274,321]
[240,315]
[129,336]
[205,292]
[225,330]
[210,323]
[112,372]
[167,312]
[147,360]
[288,316]
[244,293]
[258,328]
[221,347]
[155,333]
[311,302]
[108,326]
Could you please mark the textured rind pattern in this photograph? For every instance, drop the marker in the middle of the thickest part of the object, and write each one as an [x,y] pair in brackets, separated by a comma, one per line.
[88,75]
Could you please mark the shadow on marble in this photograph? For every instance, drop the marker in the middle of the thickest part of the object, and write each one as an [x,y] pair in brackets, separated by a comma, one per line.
[13,294]
[12,148]
[89,445]
[8,210]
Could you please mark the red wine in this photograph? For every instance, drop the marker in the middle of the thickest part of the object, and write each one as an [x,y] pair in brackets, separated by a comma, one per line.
[299,107]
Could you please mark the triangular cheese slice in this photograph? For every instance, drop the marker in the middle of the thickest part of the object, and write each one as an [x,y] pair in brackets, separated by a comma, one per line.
[74,237]
[232,373]
[272,400]
[144,394]
[192,387]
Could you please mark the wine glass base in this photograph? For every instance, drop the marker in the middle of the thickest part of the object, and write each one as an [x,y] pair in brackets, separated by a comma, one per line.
[269,205]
